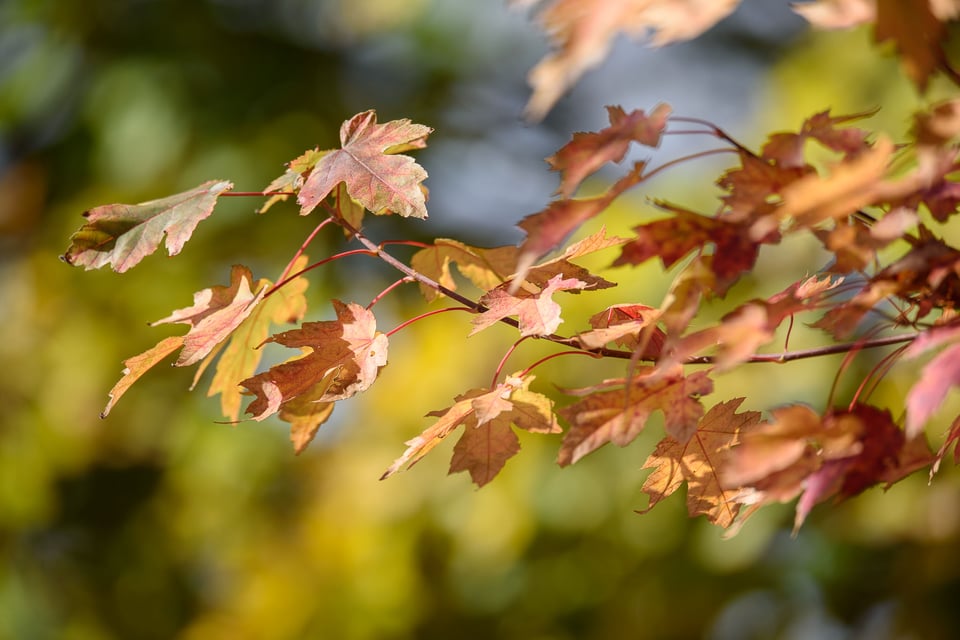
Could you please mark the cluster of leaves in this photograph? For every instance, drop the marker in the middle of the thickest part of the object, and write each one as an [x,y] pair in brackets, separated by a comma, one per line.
[873,196]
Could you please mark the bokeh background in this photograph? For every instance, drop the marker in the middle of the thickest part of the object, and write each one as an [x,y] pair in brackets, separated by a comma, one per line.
[159,522]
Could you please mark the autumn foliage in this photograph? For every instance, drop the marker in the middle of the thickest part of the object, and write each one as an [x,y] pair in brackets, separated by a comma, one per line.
[877,207]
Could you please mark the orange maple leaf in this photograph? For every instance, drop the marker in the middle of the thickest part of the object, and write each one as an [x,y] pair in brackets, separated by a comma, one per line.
[699,462]
[618,410]
[488,440]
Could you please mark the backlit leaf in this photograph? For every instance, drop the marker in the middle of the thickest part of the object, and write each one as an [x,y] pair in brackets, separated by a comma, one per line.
[241,355]
[537,312]
[619,415]
[699,462]
[139,365]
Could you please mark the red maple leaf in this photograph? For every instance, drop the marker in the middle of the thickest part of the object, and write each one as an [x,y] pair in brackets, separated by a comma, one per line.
[215,313]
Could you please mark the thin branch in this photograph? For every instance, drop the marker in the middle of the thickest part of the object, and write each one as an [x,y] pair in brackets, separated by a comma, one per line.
[476,307]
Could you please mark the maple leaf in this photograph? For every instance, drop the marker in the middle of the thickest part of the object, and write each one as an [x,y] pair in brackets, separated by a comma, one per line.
[582,30]
[537,313]
[698,463]
[547,229]
[755,186]
[215,314]
[851,185]
[122,235]
[938,376]
[485,268]
[138,365]
[371,164]
[671,239]
[928,276]
[801,454]
[241,355]
[630,325]
[488,440]
[619,410]
[346,353]
[587,152]
[787,148]
[483,450]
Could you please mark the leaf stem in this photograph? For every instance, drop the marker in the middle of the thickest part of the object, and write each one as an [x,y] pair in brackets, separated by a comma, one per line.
[581,352]
[383,293]
[282,280]
[687,158]
[294,276]
[503,361]
[407,323]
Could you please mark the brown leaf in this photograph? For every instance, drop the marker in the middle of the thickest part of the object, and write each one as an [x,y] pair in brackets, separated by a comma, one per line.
[620,414]
[671,239]
[800,453]
[699,462]
[587,152]
[629,325]
[484,450]
[372,167]
[486,415]
[122,235]
[348,349]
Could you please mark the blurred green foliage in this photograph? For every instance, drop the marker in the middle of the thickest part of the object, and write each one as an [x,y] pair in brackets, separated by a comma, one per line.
[162,523]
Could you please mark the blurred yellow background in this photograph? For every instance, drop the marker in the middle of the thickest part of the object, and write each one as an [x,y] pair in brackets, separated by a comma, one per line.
[160,522]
